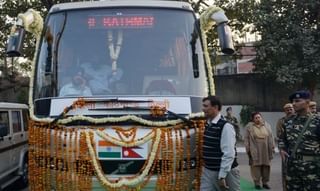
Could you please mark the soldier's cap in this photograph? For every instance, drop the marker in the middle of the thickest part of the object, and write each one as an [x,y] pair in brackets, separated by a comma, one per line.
[312,103]
[301,94]
[288,105]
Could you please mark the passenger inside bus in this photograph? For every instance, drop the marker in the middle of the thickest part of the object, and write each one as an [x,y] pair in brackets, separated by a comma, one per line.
[77,87]
[101,78]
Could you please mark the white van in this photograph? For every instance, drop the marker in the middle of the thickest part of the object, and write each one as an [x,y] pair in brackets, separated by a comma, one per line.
[13,144]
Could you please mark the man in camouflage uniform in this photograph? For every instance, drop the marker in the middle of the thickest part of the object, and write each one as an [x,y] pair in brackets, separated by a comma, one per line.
[313,107]
[300,143]
[233,120]
[289,111]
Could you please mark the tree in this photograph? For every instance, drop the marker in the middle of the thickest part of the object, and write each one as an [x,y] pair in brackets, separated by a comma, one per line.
[12,69]
[9,9]
[289,50]
[240,18]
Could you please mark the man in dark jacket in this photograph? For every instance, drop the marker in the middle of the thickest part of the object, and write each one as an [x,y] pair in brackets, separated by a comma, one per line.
[220,170]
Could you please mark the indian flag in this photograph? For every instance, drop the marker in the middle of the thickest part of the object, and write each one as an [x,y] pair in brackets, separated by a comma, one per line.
[108,150]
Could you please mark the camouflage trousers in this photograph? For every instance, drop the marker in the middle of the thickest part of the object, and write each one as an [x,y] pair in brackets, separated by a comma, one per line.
[284,174]
[303,175]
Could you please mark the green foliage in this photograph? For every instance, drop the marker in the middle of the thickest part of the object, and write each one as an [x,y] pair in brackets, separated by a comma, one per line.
[245,114]
[9,10]
[22,96]
[240,18]
[289,50]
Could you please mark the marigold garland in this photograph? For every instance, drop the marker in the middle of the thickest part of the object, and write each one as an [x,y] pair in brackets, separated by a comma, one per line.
[126,134]
[75,160]
[122,143]
[199,140]
[53,160]
[188,148]
[157,111]
[129,118]
[205,24]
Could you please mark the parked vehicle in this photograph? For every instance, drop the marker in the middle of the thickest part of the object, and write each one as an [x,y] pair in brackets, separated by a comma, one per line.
[13,144]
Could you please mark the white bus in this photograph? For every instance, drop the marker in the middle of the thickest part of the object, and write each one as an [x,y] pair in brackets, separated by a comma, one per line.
[116,94]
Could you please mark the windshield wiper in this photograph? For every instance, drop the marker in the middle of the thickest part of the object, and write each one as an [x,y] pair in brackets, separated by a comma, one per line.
[195,62]
[95,100]
[116,99]
[149,108]
[90,100]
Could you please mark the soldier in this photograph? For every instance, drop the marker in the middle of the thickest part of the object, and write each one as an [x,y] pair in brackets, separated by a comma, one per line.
[233,120]
[313,107]
[289,111]
[300,144]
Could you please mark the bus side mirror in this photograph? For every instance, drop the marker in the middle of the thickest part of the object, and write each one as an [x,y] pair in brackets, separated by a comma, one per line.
[225,38]
[15,43]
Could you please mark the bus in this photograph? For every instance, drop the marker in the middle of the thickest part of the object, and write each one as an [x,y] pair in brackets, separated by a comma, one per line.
[115,94]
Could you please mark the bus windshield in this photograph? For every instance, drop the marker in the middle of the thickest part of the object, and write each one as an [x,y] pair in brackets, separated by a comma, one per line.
[117,51]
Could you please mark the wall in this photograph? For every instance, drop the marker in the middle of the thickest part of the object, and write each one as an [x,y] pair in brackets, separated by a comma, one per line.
[271,117]
[252,89]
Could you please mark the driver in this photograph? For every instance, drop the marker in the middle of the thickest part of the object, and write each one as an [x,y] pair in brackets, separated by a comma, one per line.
[77,87]
[100,75]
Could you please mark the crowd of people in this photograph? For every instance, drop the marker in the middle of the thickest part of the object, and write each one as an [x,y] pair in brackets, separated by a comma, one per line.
[297,135]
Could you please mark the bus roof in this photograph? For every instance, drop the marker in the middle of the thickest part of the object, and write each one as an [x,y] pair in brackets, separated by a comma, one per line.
[8,105]
[120,3]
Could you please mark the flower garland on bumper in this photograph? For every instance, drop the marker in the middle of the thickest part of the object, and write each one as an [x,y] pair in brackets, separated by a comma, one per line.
[65,158]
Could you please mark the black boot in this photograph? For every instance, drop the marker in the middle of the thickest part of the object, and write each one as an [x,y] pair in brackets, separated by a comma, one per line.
[266,186]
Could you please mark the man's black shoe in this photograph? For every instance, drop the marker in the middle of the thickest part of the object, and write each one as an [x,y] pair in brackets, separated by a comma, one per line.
[258,187]
[266,186]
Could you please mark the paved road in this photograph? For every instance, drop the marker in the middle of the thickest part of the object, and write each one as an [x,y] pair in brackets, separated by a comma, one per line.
[275,178]
[246,180]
